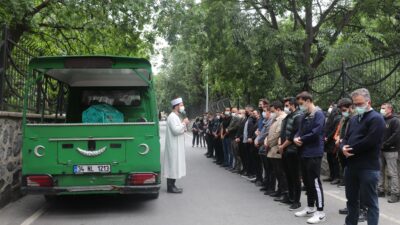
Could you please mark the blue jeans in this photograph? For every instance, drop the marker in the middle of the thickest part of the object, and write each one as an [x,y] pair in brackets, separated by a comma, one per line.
[228,160]
[362,184]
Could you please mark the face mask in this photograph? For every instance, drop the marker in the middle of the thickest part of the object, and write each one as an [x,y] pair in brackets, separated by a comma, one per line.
[233,114]
[218,117]
[287,110]
[227,113]
[345,114]
[302,108]
[273,115]
[182,109]
[264,115]
[383,112]
[361,110]
[330,110]
[260,109]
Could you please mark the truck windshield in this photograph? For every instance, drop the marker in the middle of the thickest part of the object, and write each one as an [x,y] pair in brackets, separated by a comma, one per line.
[111,97]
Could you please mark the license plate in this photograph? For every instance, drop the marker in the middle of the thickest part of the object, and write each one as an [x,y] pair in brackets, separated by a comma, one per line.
[80,169]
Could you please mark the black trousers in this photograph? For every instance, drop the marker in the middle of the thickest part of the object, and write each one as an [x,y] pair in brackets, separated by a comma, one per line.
[333,163]
[280,175]
[311,171]
[210,144]
[250,149]
[291,165]
[343,163]
[219,152]
[196,138]
[242,155]
[269,175]
[258,165]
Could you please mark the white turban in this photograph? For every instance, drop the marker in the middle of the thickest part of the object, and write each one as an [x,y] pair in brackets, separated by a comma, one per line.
[176,101]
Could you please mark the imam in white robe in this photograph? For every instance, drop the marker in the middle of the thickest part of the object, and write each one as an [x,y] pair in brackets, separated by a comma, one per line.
[174,154]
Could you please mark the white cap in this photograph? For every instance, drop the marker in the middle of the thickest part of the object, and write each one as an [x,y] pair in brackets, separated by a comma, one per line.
[176,101]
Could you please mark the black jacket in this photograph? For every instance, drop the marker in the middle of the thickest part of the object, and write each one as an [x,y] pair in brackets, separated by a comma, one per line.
[239,132]
[252,127]
[391,142]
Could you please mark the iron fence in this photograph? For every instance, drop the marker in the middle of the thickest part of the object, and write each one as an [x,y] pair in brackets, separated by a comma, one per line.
[220,105]
[379,74]
[45,96]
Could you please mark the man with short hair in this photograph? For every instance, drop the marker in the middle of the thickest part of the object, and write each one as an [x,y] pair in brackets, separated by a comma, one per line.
[255,159]
[230,133]
[226,140]
[389,154]
[248,143]
[240,164]
[174,156]
[274,155]
[361,146]
[332,123]
[310,140]
[269,180]
[210,136]
[290,152]
[217,142]
[345,107]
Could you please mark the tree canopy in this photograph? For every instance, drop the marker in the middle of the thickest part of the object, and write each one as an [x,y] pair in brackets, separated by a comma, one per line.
[269,48]
[244,49]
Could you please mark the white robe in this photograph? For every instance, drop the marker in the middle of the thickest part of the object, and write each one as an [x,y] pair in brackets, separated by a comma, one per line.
[174,154]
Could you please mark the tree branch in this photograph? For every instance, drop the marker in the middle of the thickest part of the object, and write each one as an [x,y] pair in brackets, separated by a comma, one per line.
[258,10]
[272,14]
[324,15]
[55,26]
[38,8]
[296,14]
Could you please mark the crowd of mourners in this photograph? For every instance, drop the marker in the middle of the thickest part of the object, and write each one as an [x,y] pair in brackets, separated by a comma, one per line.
[280,146]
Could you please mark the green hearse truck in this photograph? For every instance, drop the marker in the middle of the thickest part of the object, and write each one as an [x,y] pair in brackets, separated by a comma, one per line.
[108,139]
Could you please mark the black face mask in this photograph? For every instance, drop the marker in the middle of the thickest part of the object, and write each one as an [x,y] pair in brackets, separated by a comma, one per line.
[260,109]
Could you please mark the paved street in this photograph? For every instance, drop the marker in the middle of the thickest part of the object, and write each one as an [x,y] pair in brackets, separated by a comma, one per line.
[211,196]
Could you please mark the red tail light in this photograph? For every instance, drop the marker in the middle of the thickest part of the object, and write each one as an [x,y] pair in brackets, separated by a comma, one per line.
[142,178]
[39,181]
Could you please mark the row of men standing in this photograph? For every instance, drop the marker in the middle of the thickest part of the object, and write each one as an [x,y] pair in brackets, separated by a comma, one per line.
[282,143]
[263,146]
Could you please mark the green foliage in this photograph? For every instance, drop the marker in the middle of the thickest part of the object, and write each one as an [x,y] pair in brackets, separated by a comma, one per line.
[74,27]
[252,49]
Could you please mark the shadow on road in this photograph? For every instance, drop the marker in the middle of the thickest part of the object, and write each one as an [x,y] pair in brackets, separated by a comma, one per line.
[95,204]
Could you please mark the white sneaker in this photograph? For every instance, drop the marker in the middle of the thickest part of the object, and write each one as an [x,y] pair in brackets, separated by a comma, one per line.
[318,217]
[307,211]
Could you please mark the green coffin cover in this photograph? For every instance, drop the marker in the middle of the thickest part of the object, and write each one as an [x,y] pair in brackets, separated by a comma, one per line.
[102,113]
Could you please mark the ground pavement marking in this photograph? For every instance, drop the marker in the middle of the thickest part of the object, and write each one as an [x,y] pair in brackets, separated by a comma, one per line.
[35,215]
[382,215]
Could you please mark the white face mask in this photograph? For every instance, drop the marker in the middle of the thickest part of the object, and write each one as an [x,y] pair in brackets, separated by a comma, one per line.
[330,110]
[264,115]
[273,115]
[233,114]
[182,109]
[383,112]
[287,110]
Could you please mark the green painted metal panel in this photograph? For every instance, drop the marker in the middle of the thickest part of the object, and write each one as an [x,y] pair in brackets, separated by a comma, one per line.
[55,149]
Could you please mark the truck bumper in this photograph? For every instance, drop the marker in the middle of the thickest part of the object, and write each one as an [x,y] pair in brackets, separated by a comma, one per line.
[143,189]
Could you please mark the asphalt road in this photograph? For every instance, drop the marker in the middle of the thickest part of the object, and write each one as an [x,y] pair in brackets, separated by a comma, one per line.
[212,196]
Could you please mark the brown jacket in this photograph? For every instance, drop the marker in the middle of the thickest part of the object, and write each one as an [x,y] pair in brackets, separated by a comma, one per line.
[273,137]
